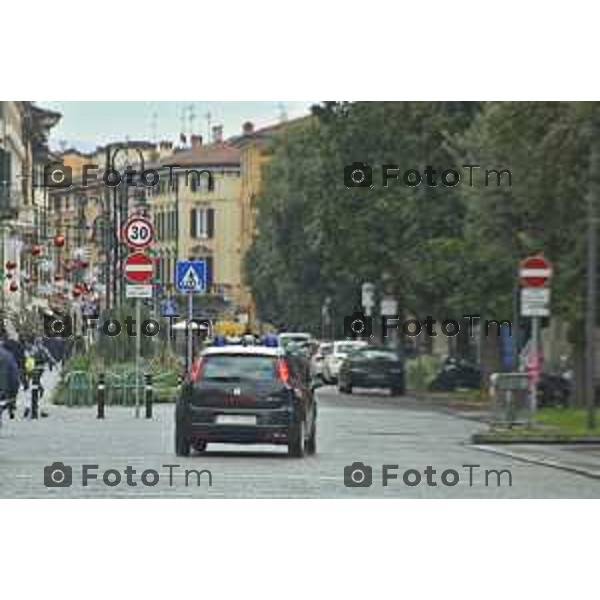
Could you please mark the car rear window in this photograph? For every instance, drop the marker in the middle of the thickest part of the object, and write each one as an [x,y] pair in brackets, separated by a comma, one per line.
[387,354]
[236,367]
[347,348]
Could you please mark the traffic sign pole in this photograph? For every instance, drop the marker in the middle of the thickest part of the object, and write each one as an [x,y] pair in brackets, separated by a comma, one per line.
[138,352]
[535,273]
[138,233]
[187,330]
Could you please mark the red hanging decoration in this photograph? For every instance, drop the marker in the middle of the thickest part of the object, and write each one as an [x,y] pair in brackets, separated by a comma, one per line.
[36,250]
[11,264]
[13,286]
[59,240]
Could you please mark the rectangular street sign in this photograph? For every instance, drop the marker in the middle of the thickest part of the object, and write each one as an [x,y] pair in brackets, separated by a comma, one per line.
[535,302]
[138,291]
[389,306]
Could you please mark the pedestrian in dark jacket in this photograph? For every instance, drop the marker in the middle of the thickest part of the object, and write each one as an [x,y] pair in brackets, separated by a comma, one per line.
[10,379]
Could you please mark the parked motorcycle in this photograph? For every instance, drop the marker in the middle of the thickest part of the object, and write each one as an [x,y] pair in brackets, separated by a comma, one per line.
[456,373]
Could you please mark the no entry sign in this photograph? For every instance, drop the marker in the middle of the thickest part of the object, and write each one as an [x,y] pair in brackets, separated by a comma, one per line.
[535,271]
[139,268]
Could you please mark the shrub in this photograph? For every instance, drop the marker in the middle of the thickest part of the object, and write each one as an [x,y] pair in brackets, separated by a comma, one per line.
[421,371]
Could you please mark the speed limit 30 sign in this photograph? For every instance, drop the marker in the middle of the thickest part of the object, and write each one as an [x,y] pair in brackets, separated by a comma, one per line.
[138,232]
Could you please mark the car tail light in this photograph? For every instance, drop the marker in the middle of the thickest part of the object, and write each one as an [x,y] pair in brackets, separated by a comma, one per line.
[196,370]
[283,371]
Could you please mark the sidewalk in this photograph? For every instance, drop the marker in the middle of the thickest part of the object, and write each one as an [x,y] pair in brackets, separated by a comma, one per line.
[583,459]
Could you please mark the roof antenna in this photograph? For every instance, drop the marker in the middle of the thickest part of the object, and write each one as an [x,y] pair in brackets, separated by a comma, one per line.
[208,117]
[191,119]
[154,127]
[283,115]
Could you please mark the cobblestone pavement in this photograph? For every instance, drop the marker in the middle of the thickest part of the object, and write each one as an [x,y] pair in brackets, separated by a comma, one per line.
[369,427]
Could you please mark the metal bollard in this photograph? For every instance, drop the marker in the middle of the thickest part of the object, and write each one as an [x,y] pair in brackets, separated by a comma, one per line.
[148,395]
[101,395]
[35,393]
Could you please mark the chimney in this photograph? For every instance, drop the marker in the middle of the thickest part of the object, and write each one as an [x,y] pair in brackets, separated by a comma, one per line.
[217,134]
[196,141]
[165,148]
[248,128]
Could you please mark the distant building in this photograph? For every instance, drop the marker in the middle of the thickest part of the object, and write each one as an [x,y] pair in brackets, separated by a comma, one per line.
[24,130]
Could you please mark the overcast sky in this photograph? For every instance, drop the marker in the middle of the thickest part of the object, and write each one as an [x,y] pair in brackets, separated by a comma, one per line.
[85,125]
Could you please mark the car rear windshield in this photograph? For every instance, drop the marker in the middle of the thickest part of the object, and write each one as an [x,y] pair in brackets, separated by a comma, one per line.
[372,354]
[237,367]
[347,348]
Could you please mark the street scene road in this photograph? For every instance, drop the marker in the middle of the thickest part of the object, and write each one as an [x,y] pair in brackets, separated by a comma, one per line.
[369,427]
[307,317]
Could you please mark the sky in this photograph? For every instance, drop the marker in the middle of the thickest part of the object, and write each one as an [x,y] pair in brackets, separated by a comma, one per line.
[85,125]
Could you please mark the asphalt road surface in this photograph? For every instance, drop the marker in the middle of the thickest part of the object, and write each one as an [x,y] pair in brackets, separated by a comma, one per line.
[368,427]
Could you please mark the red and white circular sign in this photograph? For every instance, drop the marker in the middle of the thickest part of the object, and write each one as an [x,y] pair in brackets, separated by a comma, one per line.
[535,271]
[138,232]
[139,268]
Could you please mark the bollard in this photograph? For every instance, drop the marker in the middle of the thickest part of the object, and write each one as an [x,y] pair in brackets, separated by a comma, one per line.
[148,395]
[35,393]
[101,395]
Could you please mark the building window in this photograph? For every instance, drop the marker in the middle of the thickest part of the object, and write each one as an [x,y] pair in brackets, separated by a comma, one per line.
[202,223]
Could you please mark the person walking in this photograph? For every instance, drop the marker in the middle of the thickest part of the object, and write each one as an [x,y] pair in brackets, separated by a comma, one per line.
[10,379]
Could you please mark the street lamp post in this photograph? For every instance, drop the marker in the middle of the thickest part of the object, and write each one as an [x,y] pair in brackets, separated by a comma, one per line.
[114,255]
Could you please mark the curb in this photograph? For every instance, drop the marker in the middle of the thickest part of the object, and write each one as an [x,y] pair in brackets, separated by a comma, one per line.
[532,460]
[483,439]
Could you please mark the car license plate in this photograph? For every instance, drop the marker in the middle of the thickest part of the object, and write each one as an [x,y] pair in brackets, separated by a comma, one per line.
[236,420]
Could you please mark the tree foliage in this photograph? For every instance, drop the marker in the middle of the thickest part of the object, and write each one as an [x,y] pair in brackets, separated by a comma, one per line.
[444,251]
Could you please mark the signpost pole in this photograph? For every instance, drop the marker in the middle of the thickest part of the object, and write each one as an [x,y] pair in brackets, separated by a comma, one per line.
[138,351]
[187,329]
[535,273]
[535,349]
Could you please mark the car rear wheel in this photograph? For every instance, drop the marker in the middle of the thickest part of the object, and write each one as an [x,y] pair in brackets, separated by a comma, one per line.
[182,444]
[296,441]
[200,446]
[344,387]
[398,391]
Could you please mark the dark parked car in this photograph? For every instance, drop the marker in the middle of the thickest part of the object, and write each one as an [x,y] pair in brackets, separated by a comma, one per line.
[372,367]
[246,395]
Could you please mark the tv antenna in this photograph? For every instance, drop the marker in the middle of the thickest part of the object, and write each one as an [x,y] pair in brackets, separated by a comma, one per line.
[283,115]
[208,118]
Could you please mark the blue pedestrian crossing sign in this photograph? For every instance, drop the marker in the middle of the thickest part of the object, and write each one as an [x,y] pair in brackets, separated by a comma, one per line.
[169,308]
[192,276]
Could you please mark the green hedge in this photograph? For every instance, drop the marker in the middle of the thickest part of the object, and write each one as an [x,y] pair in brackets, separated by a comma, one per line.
[421,371]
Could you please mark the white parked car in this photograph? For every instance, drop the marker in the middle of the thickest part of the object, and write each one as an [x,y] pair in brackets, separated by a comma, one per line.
[318,360]
[334,360]
[293,338]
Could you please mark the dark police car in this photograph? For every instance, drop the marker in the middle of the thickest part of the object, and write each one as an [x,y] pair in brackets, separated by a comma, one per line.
[246,395]
[372,367]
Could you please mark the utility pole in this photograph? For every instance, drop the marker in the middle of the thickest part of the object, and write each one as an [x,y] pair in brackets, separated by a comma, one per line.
[592,283]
